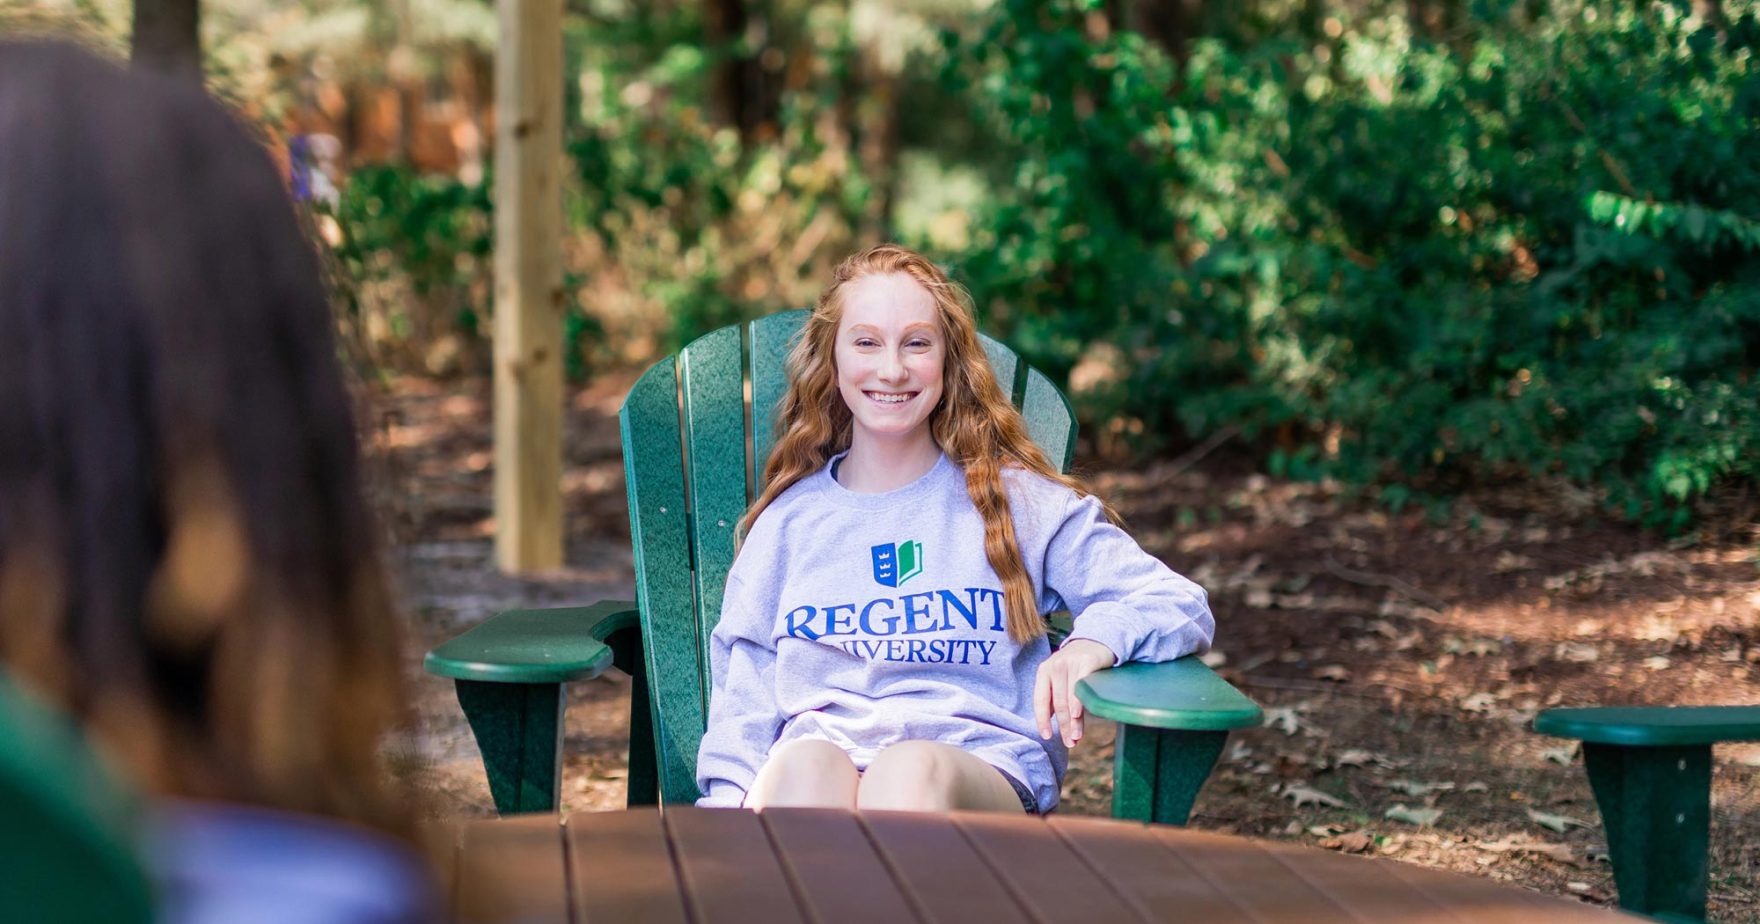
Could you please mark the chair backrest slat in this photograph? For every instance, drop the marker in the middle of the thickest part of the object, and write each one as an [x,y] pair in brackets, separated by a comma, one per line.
[687,419]
[1006,365]
[772,337]
[653,466]
[713,388]
[1050,422]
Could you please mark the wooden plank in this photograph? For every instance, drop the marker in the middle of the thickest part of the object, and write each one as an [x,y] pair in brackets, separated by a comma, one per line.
[511,869]
[528,286]
[1149,878]
[621,869]
[772,337]
[830,860]
[941,874]
[1265,889]
[1050,421]
[1005,364]
[715,451]
[728,869]
[1049,879]
[1474,900]
[653,464]
[439,843]
[1363,886]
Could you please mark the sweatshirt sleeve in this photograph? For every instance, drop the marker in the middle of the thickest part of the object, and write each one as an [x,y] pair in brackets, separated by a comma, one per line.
[1121,596]
[743,717]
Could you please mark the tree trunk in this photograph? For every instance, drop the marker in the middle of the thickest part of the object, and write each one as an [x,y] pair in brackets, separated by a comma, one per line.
[167,37]
[1168,23]
[740,97]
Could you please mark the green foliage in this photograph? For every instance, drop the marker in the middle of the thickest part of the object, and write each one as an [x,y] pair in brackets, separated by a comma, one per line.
[1531,250]
[673,224]
[415,254]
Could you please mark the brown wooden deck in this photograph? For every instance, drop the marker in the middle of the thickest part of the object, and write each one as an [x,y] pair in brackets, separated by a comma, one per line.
[788,865]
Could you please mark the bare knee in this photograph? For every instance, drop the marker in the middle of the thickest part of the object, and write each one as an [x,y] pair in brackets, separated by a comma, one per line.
[804,772]
[918,776]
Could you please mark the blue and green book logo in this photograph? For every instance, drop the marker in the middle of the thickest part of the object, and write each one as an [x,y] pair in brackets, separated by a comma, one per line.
[895,564]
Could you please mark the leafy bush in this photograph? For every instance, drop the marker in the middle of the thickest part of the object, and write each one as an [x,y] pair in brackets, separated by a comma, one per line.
[414,255]
[1532,250]
[673,225]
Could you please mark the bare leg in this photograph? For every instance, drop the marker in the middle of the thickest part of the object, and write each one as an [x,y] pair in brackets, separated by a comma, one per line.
[928,776]
[805,772]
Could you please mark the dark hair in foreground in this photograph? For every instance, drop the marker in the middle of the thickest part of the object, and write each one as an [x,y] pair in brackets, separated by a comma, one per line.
[186,560]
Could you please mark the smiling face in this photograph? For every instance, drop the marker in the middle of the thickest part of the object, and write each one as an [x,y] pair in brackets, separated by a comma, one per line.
[889,353]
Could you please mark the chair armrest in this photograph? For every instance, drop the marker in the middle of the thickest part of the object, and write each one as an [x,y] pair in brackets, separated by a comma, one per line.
[1652,726]
[535,646]
[1184,694]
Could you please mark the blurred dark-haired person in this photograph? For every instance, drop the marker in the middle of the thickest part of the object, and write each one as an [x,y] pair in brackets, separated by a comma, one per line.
[187,563]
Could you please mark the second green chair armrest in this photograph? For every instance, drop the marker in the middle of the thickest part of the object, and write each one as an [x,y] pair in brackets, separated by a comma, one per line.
[1652,726]
[1184,694]
[536,646]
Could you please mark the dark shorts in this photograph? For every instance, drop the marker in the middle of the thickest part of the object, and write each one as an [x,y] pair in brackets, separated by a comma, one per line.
[1029,801]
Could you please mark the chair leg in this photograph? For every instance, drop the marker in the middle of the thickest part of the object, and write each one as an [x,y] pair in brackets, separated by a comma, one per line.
[644,771]
[1157,772]
[519,730]
[1656,806]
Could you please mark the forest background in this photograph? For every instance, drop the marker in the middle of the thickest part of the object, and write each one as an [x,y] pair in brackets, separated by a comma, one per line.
[1409,246]
[1422,333]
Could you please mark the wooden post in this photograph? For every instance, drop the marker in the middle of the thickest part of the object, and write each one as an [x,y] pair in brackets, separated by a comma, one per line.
[528,286]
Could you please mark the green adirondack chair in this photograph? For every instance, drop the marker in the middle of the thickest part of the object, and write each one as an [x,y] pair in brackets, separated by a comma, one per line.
[685,449]
[1650,768]
[67,851]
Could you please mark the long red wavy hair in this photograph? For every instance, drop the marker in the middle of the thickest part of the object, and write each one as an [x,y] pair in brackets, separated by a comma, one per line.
[975,425]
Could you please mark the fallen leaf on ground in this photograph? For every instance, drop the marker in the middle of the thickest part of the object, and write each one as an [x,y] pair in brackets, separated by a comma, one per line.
[1559,823]
[1520,844]
[1475,786]
[1355,757]
[1473,648]
[1283,718]
[1579,652]
[1565,755]
[1326,830]
[1479,702]
[1355,842]
[1337,673]
[1507,561]
[1657,663]
[1307,795]
[1422,817]
[1415,788]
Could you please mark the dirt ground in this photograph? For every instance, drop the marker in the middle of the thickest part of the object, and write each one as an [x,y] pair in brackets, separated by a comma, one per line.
[1399,657]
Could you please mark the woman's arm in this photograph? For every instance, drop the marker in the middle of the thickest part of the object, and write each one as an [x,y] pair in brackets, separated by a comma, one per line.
[1128,606]
[743,717]
[1123,597]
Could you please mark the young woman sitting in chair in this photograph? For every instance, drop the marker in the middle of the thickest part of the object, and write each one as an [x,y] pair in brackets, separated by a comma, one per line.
[882,643]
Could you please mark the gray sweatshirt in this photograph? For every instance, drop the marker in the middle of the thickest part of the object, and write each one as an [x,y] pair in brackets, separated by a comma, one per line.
[869,619]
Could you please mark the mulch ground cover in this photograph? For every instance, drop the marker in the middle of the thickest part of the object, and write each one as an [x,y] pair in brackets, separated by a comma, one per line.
[1400,656]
